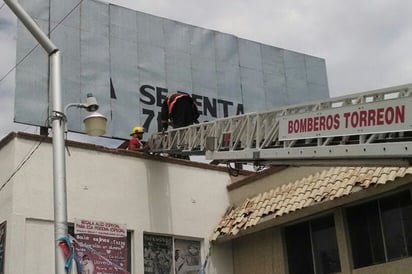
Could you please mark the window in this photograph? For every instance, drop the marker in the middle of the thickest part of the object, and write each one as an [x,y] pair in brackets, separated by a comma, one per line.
[165,254]
[312,247]
[381,230]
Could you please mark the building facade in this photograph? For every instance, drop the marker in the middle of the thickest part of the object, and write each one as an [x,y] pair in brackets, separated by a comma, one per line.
[152,196]
[333,220]
[281,220]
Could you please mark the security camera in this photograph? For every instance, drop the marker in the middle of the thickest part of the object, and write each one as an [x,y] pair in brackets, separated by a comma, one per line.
[91,103]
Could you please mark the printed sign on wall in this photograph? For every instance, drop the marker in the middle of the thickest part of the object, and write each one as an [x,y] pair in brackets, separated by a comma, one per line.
[187,257]
[158,256]
[2,246]
[103,247]
[168,255]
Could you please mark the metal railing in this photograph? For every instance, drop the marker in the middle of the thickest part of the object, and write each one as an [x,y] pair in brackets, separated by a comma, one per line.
[255,136]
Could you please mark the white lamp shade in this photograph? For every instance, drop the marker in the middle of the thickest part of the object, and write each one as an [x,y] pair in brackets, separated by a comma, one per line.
[95,124]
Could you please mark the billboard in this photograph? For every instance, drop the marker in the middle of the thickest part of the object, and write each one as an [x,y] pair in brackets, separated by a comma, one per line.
[131,61]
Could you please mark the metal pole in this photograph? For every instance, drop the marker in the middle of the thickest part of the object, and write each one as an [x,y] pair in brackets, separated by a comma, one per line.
[58,125]
[59,161]
[31,26]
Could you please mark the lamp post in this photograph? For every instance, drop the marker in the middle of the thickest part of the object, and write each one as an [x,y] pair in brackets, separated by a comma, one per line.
[58,119]
[94,123]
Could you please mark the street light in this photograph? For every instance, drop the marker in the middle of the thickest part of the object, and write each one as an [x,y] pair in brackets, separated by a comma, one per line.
[58,119]
[94,123]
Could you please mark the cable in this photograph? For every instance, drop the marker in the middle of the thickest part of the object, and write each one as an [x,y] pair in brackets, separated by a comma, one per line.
[70,12]
[15,66]
[232,171]
[58,24]
[21,164]
[2,6]
[26,158]
[258,167]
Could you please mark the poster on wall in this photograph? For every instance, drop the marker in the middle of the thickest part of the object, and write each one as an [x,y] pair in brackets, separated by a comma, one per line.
[2,245]
[102,247]
[158,256]
[187,257]
[167,255]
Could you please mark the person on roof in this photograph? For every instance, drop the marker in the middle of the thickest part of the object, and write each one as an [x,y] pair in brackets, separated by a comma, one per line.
[180,109]
[135,142]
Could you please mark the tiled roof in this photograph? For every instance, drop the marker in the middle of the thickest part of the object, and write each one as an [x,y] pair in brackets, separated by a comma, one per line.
[328,185]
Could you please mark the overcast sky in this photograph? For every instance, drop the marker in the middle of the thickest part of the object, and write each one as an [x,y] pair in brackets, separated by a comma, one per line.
[366,44]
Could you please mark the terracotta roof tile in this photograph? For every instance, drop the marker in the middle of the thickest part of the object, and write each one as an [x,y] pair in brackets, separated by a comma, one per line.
[308,202]
[302,203]
[366,183]
[280,211]
[382,179]
[320,187]
[347,190]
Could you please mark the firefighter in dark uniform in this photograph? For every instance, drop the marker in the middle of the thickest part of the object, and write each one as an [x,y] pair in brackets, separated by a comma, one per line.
[180,110]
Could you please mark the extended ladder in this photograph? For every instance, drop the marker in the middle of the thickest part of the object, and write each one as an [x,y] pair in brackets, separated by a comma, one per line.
[373,127]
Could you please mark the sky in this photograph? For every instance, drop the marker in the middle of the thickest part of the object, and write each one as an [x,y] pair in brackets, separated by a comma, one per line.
[366,44]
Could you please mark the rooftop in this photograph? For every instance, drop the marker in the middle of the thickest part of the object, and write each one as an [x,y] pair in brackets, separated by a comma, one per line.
[119,151]
[332,183]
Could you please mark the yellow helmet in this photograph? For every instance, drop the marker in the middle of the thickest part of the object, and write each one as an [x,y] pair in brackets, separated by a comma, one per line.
[137,129]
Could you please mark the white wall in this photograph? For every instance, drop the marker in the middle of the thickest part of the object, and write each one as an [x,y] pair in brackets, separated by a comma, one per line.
[7,164]
[148,196]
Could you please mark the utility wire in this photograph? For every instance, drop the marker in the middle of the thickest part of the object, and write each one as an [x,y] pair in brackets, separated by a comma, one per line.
[26,158]
[58,24]
[21,164]
[232,171]
[30,154]
[15,66]
[64,18]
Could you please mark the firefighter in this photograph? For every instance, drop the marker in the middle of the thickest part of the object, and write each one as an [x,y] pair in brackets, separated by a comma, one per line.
[180,110]
[135,142]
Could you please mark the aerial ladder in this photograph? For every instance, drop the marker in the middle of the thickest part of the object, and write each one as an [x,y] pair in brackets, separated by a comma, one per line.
[373,128]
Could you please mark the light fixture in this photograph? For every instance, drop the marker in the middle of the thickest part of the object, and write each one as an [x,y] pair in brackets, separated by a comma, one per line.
[95,124]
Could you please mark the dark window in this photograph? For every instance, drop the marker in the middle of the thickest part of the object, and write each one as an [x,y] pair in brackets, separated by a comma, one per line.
[312,247]
[365,234]
[299,248]
[381,230]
